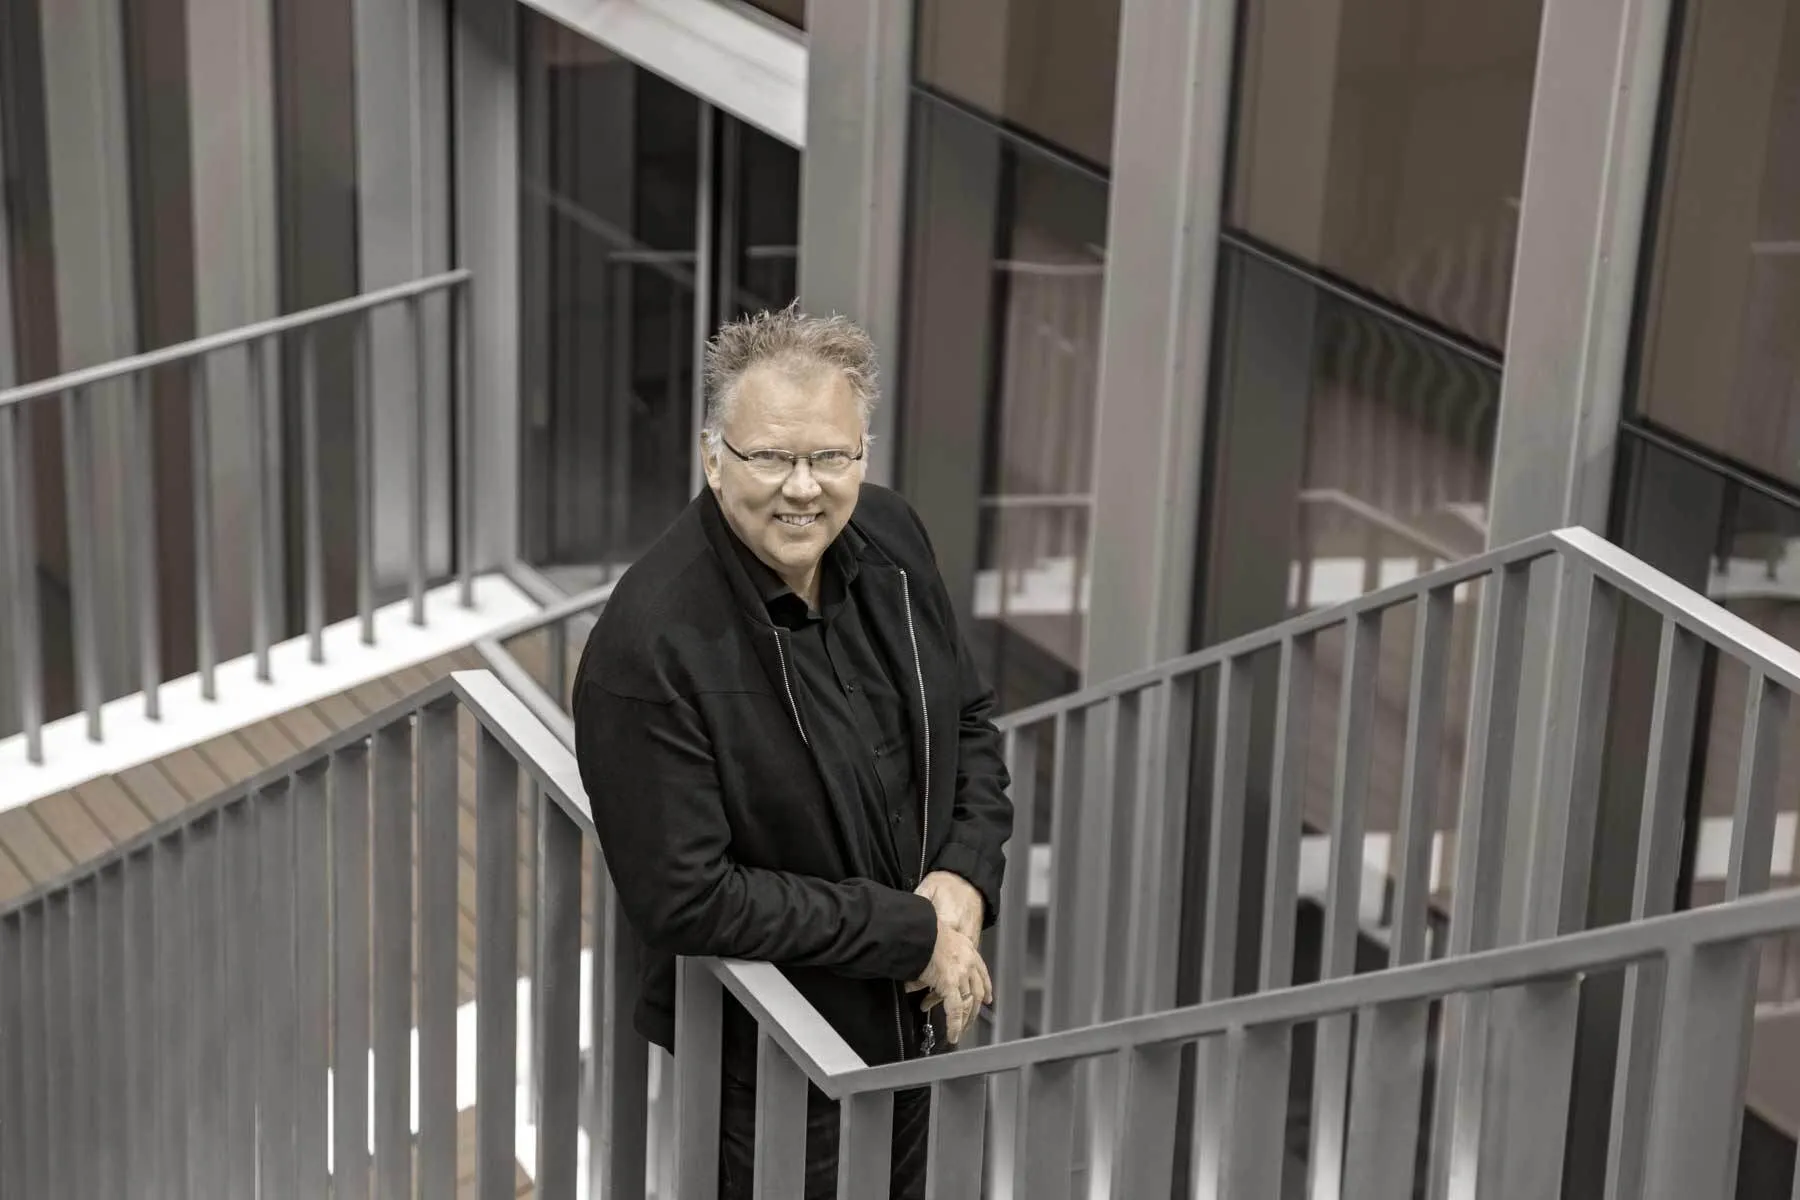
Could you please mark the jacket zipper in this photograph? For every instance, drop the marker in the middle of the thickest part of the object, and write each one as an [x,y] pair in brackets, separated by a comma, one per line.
[781,653]
[925,808]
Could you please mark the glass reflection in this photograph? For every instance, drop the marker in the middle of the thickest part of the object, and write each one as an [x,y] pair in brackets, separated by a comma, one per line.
[1384,142]
[1740,545]
[1008,263]
[1720,361]
[1047,70]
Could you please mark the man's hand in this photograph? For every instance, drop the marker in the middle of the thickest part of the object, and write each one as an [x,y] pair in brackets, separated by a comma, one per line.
[956,900]
[958,978]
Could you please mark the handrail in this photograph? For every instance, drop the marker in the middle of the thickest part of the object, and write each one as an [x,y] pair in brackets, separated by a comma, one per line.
[1586,951]
[89,376]
[295,764]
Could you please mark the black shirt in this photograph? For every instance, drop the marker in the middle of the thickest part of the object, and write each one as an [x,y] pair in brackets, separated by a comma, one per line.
[856,718]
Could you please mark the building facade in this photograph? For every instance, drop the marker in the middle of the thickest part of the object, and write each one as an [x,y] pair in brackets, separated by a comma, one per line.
[1197,314]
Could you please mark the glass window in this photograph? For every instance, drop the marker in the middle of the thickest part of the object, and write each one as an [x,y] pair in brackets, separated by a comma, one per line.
[1740,545]
[1720,361]
[1044,69]
[1350,452]
[610,178]
[759,221]
[1384,142]
[1007,257]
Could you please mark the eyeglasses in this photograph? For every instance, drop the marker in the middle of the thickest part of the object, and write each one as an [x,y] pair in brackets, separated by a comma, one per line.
[774,466]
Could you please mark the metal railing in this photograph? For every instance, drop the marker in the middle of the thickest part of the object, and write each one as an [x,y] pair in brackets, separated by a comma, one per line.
[194,941]
[1116,765]
[1682,1142]
[76,396]
[531,656]
[225,1006]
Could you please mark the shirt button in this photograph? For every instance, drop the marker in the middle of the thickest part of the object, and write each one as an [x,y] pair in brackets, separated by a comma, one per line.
[849,687]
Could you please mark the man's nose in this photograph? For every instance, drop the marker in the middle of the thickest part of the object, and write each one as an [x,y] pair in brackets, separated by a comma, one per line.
[801,483]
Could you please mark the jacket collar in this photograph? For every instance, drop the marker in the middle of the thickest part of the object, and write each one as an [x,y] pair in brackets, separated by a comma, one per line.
[751,581]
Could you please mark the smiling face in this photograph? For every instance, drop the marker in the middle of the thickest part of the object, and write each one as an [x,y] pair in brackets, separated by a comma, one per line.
[788,523]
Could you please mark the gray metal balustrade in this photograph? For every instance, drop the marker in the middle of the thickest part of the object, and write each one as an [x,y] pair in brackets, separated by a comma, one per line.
[177,1008]
[131,381]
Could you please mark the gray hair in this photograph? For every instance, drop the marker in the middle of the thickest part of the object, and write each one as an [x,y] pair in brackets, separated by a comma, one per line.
[792,342]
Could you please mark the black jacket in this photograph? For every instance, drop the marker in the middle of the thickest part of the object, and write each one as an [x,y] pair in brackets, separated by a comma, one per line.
[720,832]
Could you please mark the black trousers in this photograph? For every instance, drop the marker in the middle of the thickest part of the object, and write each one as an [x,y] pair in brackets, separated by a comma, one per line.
[737,1142]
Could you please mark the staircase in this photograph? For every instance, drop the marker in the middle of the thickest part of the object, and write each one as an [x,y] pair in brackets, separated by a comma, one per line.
[393,963]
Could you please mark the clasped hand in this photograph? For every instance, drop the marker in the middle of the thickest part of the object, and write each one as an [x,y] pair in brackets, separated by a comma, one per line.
[956,976]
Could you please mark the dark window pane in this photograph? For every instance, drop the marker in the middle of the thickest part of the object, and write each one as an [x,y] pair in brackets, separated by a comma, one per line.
[793,12]
[759,221]
[1384,141]
[611,177]
[1046,68]
[1741,546]
[1007,255]
[1721,360]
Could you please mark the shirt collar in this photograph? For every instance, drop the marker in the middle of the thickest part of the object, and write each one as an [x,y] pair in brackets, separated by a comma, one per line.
[839,569]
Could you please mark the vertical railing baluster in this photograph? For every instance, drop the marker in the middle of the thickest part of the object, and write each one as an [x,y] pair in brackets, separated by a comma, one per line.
[1703,1043]
[1387,1083]
[1349,811]
[141,490]
[392,905]
[1123,759]
[19,552]
[1410,862]
[54,983]
[1063,968]
[1476,882]
[204,1006]
[34,1059]
[559,664]
[14,1102]
[558,994]
[421,442]
[363,398]
[169,880]
[312,494]
[1009,978]
[956,1135]
[1241,1126]
[439,918]
[82,1003]
[865,1144]
[699,1010]
[1287,791]
[142,1098]
[1168,750]
[350,974]
[312,981]
[238,906]
[78,501]
[780,1168]
[1043,1162]
[264,537]
[111,1036]
[277,1017]
[623,1055]
[1759,763]
[206,638]
[497,963]
[464,299]
[1225,851]
[1144,1161]
[1671,745]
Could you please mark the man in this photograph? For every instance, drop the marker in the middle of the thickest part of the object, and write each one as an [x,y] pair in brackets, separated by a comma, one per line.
[788,750]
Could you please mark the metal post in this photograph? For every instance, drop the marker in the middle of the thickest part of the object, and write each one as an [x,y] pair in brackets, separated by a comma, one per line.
[780,1169]
[464,298]
[558,1022]
[206,642]
[76,482]
[699,1009]
[497,937]
[142,492]
[19,554]
[263,535]
[350,972]
[312,497]
[363,397]
[392,889]
[439,923]
[415,314]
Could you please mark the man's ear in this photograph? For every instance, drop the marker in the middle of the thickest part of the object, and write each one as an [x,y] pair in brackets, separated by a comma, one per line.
[709,463]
